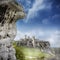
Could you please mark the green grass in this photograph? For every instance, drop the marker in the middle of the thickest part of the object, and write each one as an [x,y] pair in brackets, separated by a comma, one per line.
[26,53]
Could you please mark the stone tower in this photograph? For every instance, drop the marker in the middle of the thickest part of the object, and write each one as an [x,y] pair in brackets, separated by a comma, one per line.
[10,12]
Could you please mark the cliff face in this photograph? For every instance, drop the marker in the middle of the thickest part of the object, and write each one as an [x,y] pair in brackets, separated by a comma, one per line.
[10,11]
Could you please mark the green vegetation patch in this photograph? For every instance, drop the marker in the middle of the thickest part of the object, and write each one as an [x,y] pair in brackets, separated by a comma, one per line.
[26,53]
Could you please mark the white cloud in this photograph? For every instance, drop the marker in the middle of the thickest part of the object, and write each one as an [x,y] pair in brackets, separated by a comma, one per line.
[19,35]
[56,16]
[37,6]
[28,1]
[31,33]
[53,36]
[45,21]
[54,39]
[48,20]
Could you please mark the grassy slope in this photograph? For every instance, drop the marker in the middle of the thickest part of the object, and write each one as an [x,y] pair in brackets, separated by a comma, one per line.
[31,53]
[25,53]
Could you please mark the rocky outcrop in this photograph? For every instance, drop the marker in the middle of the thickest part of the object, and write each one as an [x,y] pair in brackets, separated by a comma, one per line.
[57,54]
[10,11]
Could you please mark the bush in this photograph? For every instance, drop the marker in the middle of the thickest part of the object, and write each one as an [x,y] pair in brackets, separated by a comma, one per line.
[19,54]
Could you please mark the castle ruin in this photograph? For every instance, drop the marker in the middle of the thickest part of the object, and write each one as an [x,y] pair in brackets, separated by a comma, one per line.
[33,43]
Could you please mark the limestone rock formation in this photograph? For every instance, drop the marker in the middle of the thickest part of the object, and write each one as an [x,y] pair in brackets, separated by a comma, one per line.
[10,12]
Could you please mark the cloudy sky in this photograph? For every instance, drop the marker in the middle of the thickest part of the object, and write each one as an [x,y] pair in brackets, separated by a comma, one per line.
[42,20]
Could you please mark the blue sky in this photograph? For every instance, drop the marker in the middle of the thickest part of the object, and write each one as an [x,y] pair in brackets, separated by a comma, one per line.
[42,20]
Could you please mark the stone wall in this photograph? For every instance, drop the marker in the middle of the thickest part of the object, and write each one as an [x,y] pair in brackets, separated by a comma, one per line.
[29,42]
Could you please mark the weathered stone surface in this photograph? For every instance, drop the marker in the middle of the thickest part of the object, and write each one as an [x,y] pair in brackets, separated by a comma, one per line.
[10,11]
[57,54]
[33,42]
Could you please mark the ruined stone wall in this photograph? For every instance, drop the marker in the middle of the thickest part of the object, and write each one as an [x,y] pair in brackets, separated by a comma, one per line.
[29,43]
